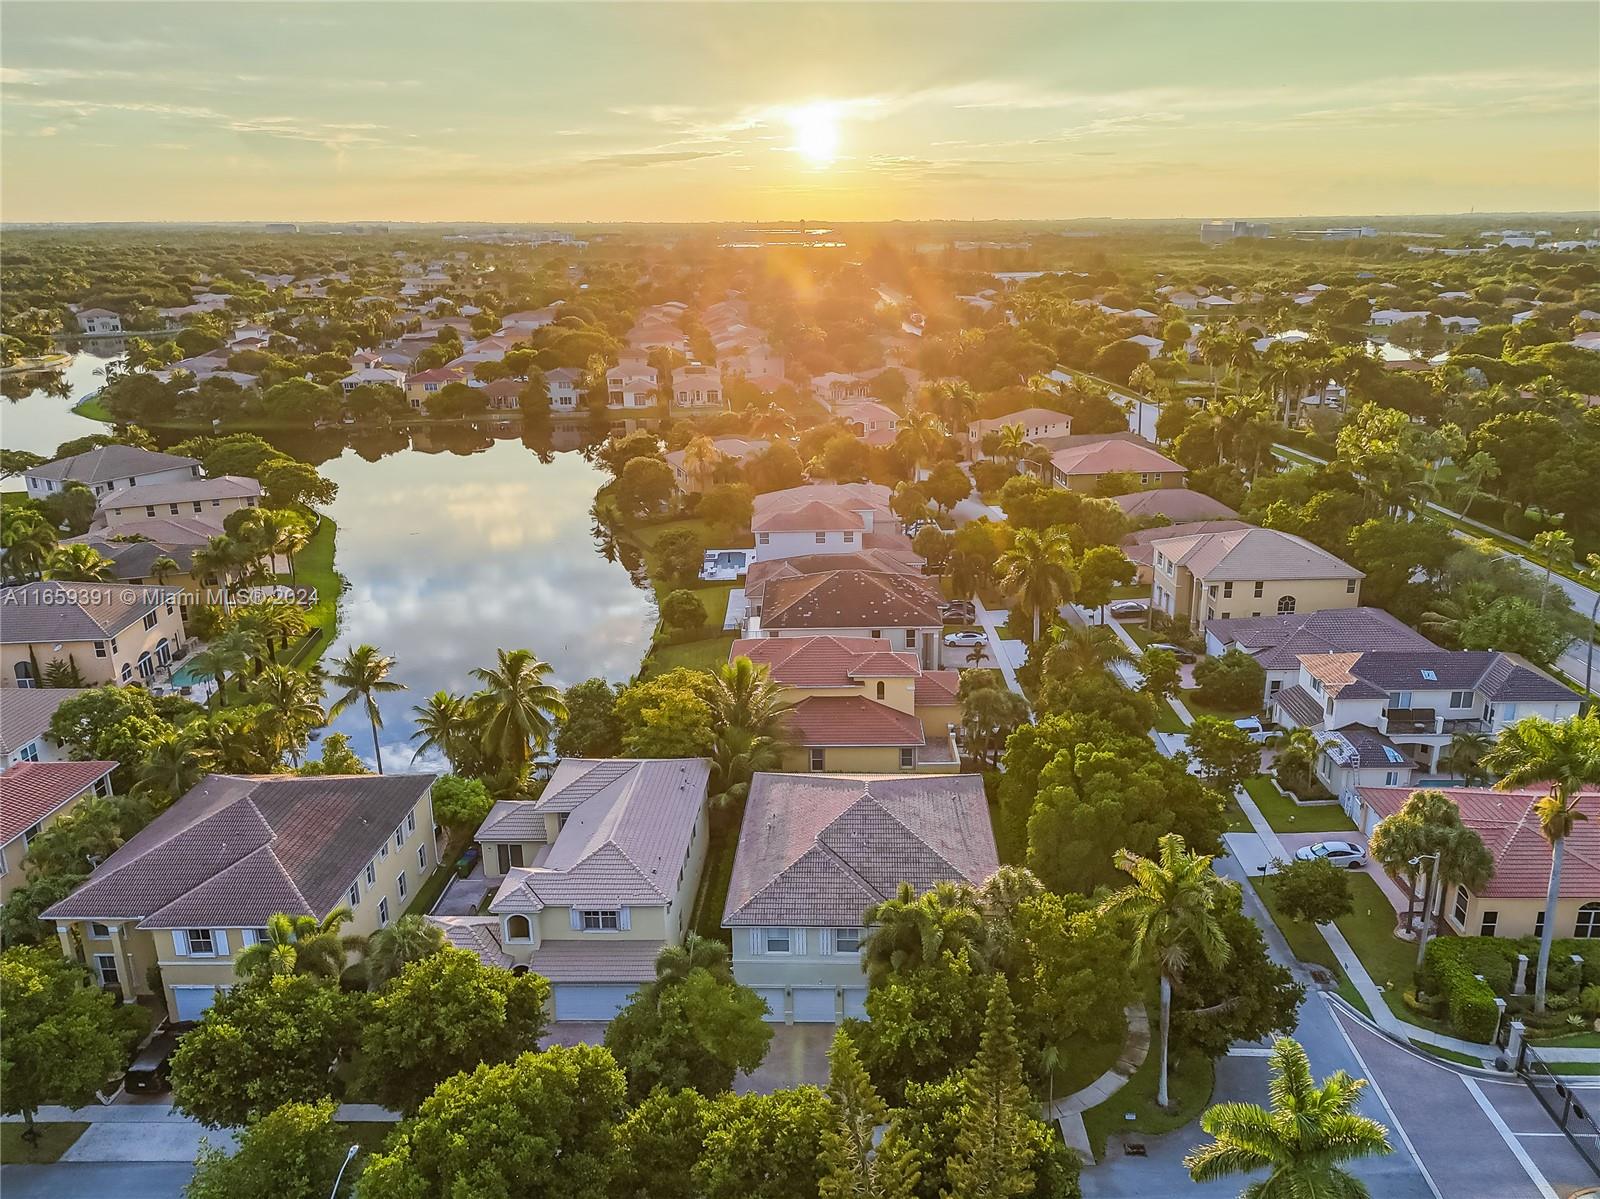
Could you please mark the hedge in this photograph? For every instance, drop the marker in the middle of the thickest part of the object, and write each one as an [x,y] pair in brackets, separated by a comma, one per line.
[1451,965]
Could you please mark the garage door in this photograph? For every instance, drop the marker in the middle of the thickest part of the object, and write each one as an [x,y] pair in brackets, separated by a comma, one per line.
[590,1001]
[855,1003]
[774,1000]
[192,1002]
[814,1005]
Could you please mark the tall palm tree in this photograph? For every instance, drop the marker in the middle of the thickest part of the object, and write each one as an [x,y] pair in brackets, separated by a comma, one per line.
[700,457]
[744,696]
[79,563]
[293,702]
[920,433]
[29,541]
[1012,444]
[395,946]
[737,756]
[1172,904]
[517,706]
[674,962]
[173,764]
[1084,649]
[1554,548]
[163,568]
[293,536]
[954,401]
[443,723]
[1464,756]
[1476,471]
[220,558]
[907,930]
[363,673]
[1040,569]
[1565,756]
[1300,1141]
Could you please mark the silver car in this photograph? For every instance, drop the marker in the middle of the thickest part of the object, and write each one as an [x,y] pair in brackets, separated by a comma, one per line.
[1340,853]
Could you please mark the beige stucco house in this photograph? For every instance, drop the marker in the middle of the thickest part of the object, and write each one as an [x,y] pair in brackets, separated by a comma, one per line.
[210,500]
[1247,572]
[33,796]
[199,883]
[112,633]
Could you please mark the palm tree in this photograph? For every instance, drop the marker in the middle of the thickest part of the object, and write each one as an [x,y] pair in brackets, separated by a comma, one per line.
[674,962]
[219,559]
[1084,649]
[79,563]
[744,696]
[301,945]
[173,764]
[737,756]
[954,401]
[364,674]
[1450,613]
[906,931]
[293,700]
[29,541]
[1212,344]
[1173,906]
[1477,470]
[394,947]
[1590,577]
[517,707]
[920,433]
[1297,751]
[1040,570]
[1301,1141]
[443,723]
[700,456]
[1554,547]
[164,567]
[1465,755]
[1012,444]
[1566,756]
[293,536]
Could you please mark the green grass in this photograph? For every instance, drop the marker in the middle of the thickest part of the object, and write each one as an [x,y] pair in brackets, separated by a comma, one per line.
[91,408]
[54,1140]
[1083,1061]
[1286,816]
[1237,821]
[1574,1040]
[1305,941]
[313,568]
[1575,1067]
[1449,1055]
[1167,720]
[648,535]
[428,894]
[714,878]
[695,655]
[1192,1077]
[1191,700]
[1370,930]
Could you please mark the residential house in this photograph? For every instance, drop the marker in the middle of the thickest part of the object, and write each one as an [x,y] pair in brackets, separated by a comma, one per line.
[1393,712]
[1139,546]
[1276,642]
[209,499]
[25,714]
[33,796]
[372,374]
[859,707]
[111,634]
[421,385]
[1081,467]
[1176,504]
[631,385]
[765,570]
[838,387]
[98,322]
[136,546]
[108,468]
[815,852]
[1152,346]
[869,420]
[198,884]
[730,451]
[697,385]
[597,875]
[901,610]
[823,518]
[1248,572]
[1512,902]
[565,384]
[1036,423]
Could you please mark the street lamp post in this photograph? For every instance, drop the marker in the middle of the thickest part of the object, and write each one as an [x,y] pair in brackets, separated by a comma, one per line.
[1427,900]
[350,1156]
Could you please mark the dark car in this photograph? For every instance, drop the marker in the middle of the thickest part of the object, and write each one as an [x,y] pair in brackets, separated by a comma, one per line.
[959,612]
[148,1074]
[1177,651]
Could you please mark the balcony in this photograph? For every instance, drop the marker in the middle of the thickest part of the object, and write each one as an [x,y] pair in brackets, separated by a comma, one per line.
[1415,722]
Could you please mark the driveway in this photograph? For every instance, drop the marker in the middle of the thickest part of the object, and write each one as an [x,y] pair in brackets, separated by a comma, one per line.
[798,1054]
[174,1140]
[462,896]
[85,1180]
[1394,892]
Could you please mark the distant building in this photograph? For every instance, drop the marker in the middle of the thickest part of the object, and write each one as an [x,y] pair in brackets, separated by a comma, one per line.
[109,468]
[97,322]
[1216,232]
[280,227]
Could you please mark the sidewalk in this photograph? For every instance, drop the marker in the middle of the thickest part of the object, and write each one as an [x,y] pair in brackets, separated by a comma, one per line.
[996,650]
[165,1113]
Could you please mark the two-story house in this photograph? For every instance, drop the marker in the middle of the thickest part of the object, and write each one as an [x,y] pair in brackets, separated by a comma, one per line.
[25,714]
[565,385]
[825,518]
[1277,642]
[596,876]
[697,385]
[110,632]
[1385,716]
[1081,467]
[1247,572]
[815,852]
[198,883]
[769,570]
[109,468]
[631,385]
[33,796]
[209,499]
[1035,423]
[860,707]
[731,452]
[901,610]
[98,322]
[869,420]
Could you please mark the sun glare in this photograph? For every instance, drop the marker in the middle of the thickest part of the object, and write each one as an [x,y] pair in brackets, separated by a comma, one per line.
[816,133]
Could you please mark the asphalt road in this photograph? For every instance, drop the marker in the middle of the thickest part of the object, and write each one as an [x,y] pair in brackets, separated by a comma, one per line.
[96,1180]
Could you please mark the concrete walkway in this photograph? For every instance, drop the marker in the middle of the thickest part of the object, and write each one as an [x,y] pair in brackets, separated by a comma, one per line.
[1068,1112]
[165,1113]
[986,621]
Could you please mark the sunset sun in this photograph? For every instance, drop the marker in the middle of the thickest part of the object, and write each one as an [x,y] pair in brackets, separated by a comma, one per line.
[816,133]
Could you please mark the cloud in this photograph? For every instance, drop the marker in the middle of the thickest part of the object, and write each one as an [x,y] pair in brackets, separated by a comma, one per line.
[647,158]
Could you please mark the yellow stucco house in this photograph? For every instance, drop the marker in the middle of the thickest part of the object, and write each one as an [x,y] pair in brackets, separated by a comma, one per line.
[1247,572]
[860,707]
[198,884]
[594,878]
[112,632]
[33,796]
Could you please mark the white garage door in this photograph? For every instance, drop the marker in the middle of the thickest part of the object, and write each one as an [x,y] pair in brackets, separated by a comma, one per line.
[774,1001]
[814,1005]
[590,1001]
[855,1003]
[192,1002]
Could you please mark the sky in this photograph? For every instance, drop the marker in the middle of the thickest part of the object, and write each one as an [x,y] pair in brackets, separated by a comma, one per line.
[687,112]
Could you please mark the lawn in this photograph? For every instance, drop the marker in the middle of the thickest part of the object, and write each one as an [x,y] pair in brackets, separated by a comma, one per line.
[708,904]
[313,569]
[1370,931]
[54,1140]
[1192,1077]
[1449,1055]
[695,655]
[90,408]
[1286,816]
[1083,1061]
[1305,940]
[1191,700]
[648,535]
[1167,720]
[428,894]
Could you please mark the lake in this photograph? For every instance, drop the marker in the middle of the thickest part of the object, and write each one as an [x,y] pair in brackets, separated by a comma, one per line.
[455,541]
[36,414]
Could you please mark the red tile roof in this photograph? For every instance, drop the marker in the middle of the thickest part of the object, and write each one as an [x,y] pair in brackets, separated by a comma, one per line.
[815,515]
[30,791]
[1510,829]
[851,720]
[825,661]
[851,599]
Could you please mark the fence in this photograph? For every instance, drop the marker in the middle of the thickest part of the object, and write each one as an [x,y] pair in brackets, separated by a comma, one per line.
[1571,1113]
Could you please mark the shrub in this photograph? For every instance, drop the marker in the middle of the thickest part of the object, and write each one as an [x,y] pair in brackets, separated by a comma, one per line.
[1589,1001]
[682,612]
[1314,891]
[1448,970]
[1233,680]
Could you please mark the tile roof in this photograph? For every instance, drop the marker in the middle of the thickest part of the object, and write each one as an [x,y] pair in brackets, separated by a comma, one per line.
[512,820]
[857,497]
[1495,675]
[110,462]
[1251,553]
[475,934]
[25,712]
[1175,503]
[937,687]
[814,515]
[1509,826]
[1104,457]
[56,611]
[606,959]
[762,572]
[851,599]
[30,791]
[844,720]
[1299,705]
[819,850]
[1278,641]
[626,835]
[220,487]
[1365,748]
[1026,417]
[1139,546]
[238,848]
[825,661]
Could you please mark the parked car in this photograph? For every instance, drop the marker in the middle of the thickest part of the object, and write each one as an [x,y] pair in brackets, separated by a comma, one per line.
[1340,853]
[1177,651]
[959,612]
[965,639]
[148,1074]
[1129,608]
[1253,726]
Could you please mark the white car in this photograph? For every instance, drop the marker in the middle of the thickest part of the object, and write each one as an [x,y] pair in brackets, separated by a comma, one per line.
[1129,608]
[1340,853]
[1253,727]
[965,639]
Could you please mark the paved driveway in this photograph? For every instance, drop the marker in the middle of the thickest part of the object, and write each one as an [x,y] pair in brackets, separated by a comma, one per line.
[175,1140]
[798,1054]
[147,1180]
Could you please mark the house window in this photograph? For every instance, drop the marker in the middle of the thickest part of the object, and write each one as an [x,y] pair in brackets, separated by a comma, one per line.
[372,875]
[849,538]
[105,965]
[1402,700]
[509,856]
[383,911]
[149,620]
[149,509]
[411,822]
[127,672]
[908,758]
[1260,587]
[1350,587]
[775,940]
[1227,591]
[1285,605]
[1391,778]
[518,928]
[355,893]
[29,752]
[200,942]
[1538,924]
[763,538]
[601,920]
[1461,699]
[402,884]
[846,940]
[399,836]
[1588,925]
[1460,909]
[99,649]
[24,673]
[1490,920]
[383,851]
[881,689]
[422,857]
[99,932]
[821,538]
[817,758]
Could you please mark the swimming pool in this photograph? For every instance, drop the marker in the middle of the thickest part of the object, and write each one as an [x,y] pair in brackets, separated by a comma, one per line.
[185,676]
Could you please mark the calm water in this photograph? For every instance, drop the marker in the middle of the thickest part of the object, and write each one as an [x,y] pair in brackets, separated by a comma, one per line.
[36,414]
[455,542]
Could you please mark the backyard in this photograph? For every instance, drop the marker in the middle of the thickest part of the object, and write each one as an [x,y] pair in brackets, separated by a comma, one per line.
[1286,816]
